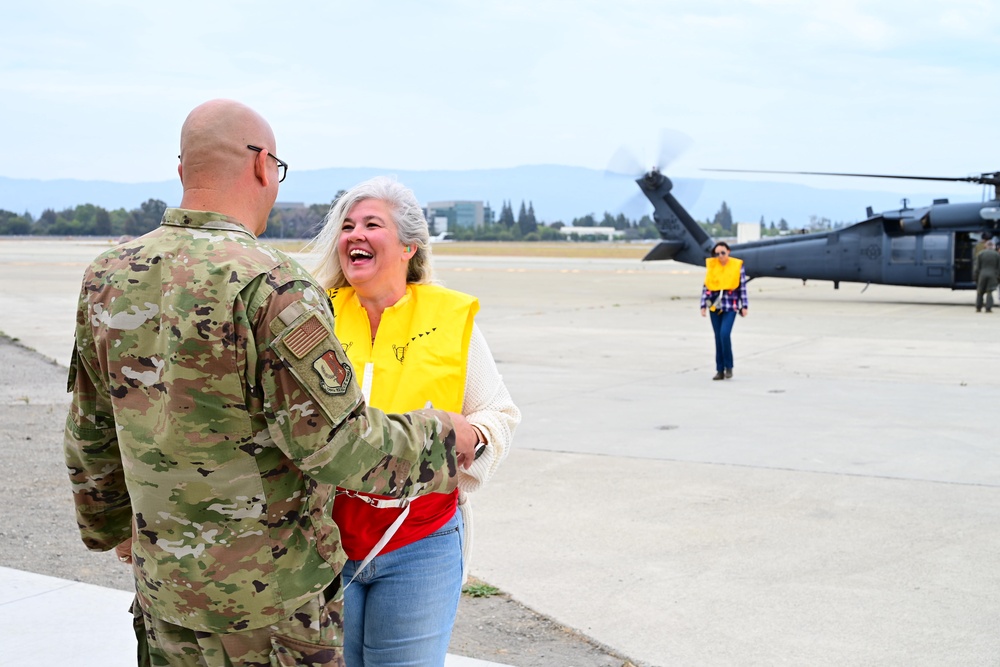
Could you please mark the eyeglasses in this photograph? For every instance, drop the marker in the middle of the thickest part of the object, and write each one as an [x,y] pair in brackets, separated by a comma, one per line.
[282,165]
[721,253]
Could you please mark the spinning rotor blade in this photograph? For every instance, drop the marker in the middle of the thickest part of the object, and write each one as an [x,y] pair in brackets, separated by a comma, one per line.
[634,207]
[687,191]
[989,178]
[671,146]
[625,163]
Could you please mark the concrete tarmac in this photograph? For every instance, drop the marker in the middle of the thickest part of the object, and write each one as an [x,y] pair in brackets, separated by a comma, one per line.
[835,503]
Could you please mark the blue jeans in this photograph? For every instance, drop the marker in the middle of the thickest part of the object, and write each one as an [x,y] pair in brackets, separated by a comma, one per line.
[722,324]
[400,610]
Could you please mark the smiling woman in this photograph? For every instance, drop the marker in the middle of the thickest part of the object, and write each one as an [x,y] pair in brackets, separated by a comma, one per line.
[414,345]
[372,257]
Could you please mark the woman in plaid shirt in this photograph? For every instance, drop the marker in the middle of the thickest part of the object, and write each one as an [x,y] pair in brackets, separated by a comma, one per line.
[723,295]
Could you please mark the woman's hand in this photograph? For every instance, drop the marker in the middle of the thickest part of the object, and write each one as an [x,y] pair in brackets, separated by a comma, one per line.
[743,311]
[703,311]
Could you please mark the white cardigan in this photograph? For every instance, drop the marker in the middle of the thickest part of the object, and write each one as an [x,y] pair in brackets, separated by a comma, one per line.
[489,407]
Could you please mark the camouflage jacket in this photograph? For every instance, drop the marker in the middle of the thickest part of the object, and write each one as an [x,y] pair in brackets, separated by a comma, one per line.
[212,403]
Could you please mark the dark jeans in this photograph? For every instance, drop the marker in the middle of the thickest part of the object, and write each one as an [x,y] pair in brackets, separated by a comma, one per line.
[722,324]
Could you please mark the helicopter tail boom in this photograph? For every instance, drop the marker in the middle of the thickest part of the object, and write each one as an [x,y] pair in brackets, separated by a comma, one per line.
[683,239]
[664,250]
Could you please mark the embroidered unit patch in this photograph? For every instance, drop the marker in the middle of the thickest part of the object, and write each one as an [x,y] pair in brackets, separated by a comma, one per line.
[303,338]
[333,375]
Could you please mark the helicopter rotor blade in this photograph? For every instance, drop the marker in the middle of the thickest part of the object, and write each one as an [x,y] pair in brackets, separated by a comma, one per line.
[673,144]
[625,163]
[687,191]
[634,207]
[985,179]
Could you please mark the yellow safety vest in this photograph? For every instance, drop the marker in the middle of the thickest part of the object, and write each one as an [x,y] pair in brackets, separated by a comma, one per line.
[420,351]
[719,277]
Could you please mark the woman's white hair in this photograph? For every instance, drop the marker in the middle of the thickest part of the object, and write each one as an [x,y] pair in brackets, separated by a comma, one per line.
[411,229]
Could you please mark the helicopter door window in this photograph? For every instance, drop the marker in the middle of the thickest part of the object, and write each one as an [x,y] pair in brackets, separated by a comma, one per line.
[903,250]
[935,249]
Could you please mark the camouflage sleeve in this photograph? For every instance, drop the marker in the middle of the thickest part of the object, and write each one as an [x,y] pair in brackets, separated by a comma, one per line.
[103,508]
[315,410]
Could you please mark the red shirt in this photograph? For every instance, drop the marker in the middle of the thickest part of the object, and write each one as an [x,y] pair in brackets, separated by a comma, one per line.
[368,524]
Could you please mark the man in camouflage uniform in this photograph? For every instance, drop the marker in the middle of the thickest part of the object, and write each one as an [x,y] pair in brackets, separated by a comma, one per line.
[214,413]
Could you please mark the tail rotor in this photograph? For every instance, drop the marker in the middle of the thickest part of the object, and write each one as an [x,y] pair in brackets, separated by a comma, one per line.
[651,174]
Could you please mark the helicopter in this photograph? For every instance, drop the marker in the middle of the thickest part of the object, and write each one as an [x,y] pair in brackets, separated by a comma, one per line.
[928,246]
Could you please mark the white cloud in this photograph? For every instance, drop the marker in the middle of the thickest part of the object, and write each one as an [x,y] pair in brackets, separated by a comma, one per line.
[98,90]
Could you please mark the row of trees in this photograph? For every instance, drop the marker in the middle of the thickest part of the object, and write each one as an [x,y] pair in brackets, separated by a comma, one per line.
[501,231]
[292,222]
[85,220]
[722,224]
[526,221]
[302,222]
[91,220]
[305,222]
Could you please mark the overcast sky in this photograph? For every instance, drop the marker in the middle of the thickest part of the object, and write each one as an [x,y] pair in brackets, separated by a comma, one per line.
[99,89]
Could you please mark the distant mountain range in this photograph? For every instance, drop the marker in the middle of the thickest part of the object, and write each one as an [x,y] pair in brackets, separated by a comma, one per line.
[557,193]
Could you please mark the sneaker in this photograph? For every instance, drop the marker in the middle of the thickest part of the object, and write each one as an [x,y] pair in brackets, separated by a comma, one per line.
[729,373]
[719,376]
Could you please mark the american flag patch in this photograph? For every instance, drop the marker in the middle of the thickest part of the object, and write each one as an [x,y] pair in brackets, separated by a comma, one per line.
[303,338]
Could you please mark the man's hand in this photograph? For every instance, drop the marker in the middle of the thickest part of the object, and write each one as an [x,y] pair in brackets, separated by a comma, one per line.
[124,551]
[466,440]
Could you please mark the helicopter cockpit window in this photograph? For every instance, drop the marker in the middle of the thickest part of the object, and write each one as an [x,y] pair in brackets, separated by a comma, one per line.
[935,249]
[903,250]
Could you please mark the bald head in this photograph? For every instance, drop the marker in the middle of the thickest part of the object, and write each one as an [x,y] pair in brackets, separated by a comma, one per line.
[219,173]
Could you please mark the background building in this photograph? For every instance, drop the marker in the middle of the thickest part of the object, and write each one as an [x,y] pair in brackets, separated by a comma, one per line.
[747,232]
[609,233]
[458,214]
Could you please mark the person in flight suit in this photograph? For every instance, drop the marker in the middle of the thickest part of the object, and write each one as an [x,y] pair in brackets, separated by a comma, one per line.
[986,273]
[214,413]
